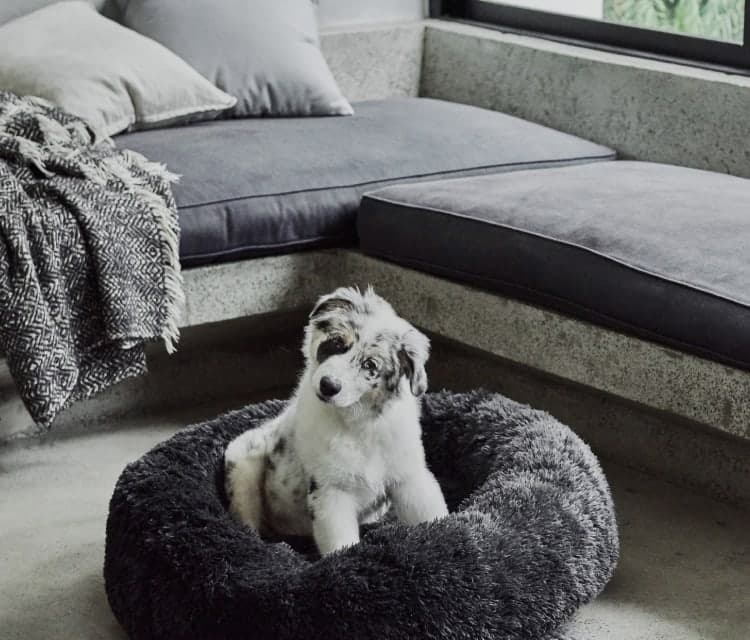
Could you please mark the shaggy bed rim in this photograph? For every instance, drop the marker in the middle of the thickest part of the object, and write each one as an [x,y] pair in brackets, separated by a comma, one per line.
[531,537]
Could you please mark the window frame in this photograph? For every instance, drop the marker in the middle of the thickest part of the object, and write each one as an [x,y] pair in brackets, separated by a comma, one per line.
[644,42]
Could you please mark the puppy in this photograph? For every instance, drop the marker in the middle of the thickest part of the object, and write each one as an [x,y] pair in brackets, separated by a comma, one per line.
[348,445]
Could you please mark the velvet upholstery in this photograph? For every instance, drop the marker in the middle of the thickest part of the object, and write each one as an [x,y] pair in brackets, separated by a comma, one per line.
[264,186]
[655,250]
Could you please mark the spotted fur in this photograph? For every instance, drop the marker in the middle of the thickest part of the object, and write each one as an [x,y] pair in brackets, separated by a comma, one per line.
[348,445]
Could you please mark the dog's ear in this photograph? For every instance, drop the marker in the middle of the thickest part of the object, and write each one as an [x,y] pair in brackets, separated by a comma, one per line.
[413,354]
[341,300]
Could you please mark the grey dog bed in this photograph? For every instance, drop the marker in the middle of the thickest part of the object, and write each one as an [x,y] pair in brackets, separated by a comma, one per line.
[530,538]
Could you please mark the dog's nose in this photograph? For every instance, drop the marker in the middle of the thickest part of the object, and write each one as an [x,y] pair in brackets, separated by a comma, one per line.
[329,386]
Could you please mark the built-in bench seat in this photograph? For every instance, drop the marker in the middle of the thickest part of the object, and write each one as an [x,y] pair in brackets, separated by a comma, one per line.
[483,198]
[265,186]
[655,250]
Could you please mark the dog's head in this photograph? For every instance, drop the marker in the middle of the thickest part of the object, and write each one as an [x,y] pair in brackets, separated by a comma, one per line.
[359,351]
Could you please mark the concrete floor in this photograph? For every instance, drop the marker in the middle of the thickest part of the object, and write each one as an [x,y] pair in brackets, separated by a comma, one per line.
[684,573]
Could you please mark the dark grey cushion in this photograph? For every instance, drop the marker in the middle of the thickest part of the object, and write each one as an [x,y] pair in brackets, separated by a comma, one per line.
[263,52]
[253,187]
[653,249]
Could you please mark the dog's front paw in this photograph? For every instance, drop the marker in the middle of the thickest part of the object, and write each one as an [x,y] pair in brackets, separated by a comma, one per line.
[251,444]
[334,515]
[243,484]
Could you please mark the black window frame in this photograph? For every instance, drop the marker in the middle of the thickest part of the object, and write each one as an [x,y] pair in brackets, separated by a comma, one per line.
[651,43]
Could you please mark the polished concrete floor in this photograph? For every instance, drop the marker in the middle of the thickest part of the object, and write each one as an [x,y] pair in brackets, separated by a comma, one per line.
[684,572]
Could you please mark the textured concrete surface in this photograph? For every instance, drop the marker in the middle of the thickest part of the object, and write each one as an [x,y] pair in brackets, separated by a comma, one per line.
[230,291]
[626,433]
[665,379]
[347,12]
[214,362]
[263,285]
[397,50]
[331,13]
[645,109]
[223,361]
[684,572]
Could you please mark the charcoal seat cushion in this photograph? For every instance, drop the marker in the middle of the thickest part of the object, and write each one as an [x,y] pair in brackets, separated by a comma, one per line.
[531,537]
[265,186]
[654,250]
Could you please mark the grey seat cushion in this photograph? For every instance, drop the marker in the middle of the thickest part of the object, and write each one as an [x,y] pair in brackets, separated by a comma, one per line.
[652,249]
[258,186]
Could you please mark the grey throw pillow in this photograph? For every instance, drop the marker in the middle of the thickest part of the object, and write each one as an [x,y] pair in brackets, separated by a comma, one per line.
[12,9]
[102,72]
[264,52]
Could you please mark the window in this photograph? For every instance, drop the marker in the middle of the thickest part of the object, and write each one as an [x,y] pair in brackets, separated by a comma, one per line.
[699,31]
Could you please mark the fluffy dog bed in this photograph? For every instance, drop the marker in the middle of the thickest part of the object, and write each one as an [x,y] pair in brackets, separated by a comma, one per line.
[531,537]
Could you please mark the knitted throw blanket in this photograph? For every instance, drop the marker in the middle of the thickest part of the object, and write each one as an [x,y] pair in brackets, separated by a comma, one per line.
[89,265]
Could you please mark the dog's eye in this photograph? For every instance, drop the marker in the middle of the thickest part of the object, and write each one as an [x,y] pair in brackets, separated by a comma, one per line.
[370,366]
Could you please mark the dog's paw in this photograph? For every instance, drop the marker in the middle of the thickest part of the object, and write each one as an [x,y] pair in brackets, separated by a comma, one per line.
[243,486]
[251,444]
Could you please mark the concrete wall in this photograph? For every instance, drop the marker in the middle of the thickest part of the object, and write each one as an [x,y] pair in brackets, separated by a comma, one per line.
[644,109]
[334,13]
[396,48]
[331,13]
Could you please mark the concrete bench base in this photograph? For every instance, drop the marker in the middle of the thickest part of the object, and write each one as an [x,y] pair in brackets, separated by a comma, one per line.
[660,378]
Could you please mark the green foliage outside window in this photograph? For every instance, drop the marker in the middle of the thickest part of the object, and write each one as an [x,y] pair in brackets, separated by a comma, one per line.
[716,19]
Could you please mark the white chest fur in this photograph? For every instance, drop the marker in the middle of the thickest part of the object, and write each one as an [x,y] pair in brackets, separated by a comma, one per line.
[357,451]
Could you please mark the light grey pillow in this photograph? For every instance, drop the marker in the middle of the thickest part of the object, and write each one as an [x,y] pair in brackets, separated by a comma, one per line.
[264,52]
[102,72]
[11,9]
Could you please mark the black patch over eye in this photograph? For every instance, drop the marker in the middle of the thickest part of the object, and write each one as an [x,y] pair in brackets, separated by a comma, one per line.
[323,325]
[370,366]
[331,347]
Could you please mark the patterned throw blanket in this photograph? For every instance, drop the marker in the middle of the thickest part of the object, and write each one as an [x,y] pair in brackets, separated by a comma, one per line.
[89,265]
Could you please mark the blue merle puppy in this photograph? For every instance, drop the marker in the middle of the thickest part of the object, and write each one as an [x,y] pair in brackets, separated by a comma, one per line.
[348,444]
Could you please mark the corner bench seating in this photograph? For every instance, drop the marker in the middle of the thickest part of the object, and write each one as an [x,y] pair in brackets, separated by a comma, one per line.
[611,243]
